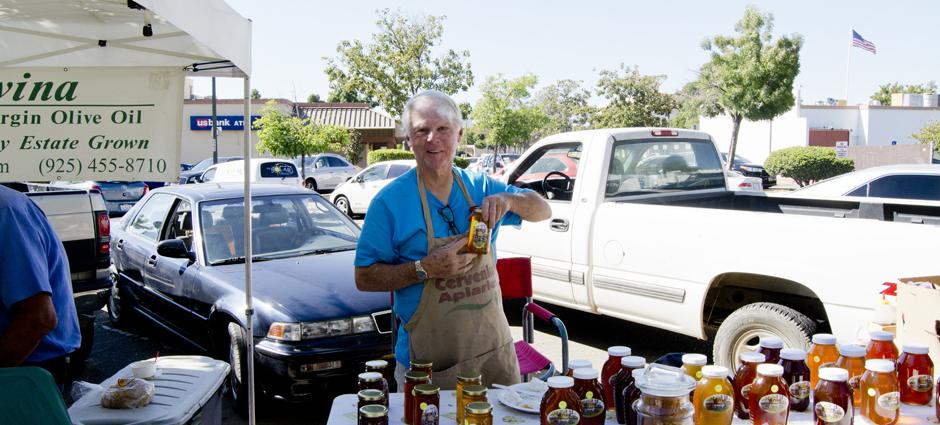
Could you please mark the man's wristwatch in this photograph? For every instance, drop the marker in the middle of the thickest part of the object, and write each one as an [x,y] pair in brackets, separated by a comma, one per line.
[420,271]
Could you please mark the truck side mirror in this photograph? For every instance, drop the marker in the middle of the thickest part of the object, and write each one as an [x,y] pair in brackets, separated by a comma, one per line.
[175,248]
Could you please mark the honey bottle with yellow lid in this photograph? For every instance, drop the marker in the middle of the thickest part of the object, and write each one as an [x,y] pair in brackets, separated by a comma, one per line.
[478,242]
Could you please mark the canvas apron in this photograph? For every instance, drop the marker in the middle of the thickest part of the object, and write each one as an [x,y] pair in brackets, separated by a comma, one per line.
[459,324]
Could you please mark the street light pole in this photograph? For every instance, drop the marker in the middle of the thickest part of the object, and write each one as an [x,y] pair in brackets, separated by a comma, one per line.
[215,129]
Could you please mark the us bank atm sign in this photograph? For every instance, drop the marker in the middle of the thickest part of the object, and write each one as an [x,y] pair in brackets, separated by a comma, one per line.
[224,122]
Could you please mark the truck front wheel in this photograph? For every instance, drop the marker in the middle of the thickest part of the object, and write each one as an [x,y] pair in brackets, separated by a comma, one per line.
[741,331]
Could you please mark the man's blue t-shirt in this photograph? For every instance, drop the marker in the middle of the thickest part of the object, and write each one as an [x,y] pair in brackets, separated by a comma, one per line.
[394,231]
[33,261]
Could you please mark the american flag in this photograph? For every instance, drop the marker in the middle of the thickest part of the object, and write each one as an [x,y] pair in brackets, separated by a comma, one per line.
[862,43]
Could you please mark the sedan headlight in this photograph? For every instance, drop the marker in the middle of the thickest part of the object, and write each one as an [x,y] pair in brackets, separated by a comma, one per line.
[751,169]
[313,330]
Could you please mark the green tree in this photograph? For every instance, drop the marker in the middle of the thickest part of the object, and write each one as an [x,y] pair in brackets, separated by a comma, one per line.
[397,63]
[255,94]
[883,95]
[633,99]
[694,100]
[314,98]
[807,164]
[565,103]
[506,115]
[287,136]
[751,74]
[930,134]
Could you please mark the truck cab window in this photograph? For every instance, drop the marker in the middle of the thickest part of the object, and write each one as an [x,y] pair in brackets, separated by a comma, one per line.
[552,171]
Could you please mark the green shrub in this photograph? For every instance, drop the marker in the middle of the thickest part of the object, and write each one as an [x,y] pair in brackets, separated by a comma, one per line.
[380,155]
[807,164]
[461,162]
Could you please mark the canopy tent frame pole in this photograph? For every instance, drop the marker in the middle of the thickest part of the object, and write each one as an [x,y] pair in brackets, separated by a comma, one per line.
[249,306]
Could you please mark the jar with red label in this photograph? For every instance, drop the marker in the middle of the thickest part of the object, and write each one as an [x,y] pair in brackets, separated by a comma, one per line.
[611,367]
[560,405]
[426,409]
[593,410]
[743,378]
[832,398]
[796,373]
[915,375]
[374,381]
[881,346]
[770,347]
[412,379]
[769,397]
[880,403]
[852,359]
[621,381]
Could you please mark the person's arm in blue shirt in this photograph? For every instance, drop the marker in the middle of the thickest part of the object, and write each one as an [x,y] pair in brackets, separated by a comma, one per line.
[31,320]
[527,204]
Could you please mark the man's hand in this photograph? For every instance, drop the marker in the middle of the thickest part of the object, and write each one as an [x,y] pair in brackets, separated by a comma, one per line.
[495,206]
[448,260]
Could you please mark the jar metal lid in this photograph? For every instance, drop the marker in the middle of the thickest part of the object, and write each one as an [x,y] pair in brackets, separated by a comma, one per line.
[771,342]
[469,376]
[373,411]
[715,371]
[585,373]
[850,350]
[767,369]
[753,357]
[479,408]
[421,364]
[370,376]
[882,336]
[619,351]
[561,382]
[915,349]
[371,395]
[376,364]
[879,365]
[835,374]
[633,361]
[694,359]
[824,339]
[427,389]
[416,376]
[474,390]
[794,354]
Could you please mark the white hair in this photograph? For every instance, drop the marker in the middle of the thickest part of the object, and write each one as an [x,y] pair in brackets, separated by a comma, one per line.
[442,103]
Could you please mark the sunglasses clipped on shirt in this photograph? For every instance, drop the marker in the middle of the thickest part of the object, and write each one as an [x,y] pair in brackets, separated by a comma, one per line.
[447,214]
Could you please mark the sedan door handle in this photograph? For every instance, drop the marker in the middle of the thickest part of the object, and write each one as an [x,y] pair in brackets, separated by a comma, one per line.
[559,225]
[152,261]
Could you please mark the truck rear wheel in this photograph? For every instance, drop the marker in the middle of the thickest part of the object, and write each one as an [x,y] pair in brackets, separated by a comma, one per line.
[742,329]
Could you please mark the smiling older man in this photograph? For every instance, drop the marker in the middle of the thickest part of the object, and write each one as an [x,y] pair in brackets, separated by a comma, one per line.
[413,243]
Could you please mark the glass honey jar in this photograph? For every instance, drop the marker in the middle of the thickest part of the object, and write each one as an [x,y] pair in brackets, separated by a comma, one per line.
[425,366]
[373,414]
[880,402]
[915,375]
[374,381]
[469,394]
[367,397]
[611,367]
[823,353]
[593,410]
[832,398]
[621,381]
[881,346]
[852,359]
[478,413]
[381,366]
[769,397]
[713,397]
[478,241]
[743,378]
[464,379]
[426,409]
[770,347]
[560,405]
[796,373]
[412,379]
[577,364]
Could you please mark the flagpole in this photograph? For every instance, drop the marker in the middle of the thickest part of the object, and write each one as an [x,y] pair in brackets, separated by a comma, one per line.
[848,57]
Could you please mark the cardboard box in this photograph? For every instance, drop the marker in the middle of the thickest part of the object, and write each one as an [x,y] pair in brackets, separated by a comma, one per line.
[918,315]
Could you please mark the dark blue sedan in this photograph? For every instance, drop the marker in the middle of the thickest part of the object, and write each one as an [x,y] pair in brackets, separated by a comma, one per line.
[179,259]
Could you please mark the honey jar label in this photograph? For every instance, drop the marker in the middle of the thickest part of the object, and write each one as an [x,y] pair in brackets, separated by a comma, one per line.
[855,381]
[592,407]
[799,391]
[774,403]
[718,403]
[563,417]
[429,414]
[920,383]
[829,412]
[888,403]
[745,390]
[480,235]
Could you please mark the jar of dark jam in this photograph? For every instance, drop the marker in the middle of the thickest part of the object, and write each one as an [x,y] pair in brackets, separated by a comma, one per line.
[373,414]
[367,397]
[770,347]
[622,380]
[796,373]
[427,405]
[412,379]
[832,398]
[374,381]
[425,366]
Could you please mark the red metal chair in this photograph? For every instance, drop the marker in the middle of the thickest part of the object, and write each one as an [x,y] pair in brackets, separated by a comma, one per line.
[515,282]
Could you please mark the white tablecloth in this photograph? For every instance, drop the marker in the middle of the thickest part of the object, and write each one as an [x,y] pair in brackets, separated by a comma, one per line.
[343,412]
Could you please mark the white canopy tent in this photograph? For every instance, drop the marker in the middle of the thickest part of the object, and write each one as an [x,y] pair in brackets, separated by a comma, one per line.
[205,38]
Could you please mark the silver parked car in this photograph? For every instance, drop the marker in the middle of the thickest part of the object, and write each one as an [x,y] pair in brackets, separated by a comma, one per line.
[119,196]
[326,171]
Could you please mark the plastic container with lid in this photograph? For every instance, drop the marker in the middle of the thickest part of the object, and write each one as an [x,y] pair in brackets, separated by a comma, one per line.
[832,398]
[560,405]
[880,402]
[577,364]
[796,373]
[743,378]
[823,353]
[770,347]
[593,410]
[852,359]
[478,413]
[769,397]
[622,380]
[611,367]
[881,346]
[664,396]
[713,397]
[915,374]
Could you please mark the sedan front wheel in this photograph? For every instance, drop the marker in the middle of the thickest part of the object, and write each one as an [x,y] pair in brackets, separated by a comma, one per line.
[342,203]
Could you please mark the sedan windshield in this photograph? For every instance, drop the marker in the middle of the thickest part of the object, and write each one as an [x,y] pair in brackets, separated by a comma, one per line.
[282,226]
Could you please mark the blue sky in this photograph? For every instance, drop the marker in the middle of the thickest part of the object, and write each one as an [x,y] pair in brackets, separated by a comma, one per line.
[573,39]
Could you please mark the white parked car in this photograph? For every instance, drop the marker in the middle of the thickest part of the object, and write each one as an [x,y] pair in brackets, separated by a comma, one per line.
[326,171]
[904,181]
[354,196]
[741,183]
[263,170]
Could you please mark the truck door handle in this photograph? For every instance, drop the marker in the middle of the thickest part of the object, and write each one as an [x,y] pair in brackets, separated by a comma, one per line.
[559,225]
[120,244]
[152,261]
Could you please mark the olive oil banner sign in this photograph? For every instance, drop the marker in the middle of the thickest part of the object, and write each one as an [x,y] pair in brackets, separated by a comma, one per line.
[90,124]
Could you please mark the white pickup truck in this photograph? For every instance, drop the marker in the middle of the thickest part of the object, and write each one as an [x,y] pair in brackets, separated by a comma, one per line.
[644,228]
